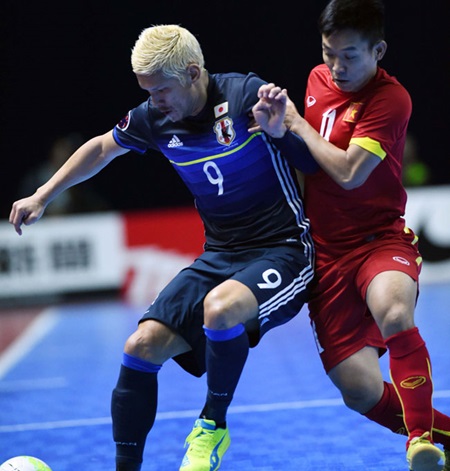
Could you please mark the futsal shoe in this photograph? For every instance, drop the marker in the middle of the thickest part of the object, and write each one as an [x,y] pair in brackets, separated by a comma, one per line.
[207,445]
[422,455]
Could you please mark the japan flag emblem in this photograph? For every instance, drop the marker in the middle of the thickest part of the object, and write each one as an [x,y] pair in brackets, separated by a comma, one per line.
[225,132]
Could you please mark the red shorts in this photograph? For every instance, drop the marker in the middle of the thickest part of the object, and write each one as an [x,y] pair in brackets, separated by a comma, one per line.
[341,320]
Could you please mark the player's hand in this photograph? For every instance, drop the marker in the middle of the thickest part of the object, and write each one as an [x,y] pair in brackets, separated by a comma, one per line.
[26,211]
[291,114]
[269,112]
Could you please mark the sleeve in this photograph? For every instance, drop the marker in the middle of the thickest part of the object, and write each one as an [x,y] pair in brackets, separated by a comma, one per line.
[382,122]
[251,87]
[134,132]
[296,152]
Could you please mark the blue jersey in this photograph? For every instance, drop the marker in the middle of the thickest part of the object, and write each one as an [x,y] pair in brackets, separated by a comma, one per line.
[245,190]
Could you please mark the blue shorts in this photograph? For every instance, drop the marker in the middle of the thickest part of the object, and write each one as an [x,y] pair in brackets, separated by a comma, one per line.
[278,277]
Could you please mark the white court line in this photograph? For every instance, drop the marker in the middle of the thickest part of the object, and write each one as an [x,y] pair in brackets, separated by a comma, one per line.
[33,384]
[188,414]
[37,329]
[172,415]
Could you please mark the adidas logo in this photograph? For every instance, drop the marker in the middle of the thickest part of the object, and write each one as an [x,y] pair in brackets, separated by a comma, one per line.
[175,142]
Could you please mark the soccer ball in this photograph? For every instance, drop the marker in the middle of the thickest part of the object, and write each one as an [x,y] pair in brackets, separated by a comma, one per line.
[24,463]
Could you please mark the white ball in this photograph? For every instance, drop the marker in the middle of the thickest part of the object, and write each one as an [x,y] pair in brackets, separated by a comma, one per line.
[24,463]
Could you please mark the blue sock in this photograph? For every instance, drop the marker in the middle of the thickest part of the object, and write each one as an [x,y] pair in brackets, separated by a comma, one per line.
[226,354]
[138,364]
[133,410]
[222,335]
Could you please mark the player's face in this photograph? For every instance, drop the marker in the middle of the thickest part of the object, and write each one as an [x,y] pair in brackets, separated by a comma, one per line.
[169,96]
[351,61]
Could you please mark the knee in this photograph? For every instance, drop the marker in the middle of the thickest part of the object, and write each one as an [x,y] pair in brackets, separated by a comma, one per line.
[361,388]
[216,312]
[139,342]
[396,319]
[155,342]
[361,394]
[360,399]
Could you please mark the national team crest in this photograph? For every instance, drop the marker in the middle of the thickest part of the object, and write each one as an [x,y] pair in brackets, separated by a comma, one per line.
[352,113]
[224,130]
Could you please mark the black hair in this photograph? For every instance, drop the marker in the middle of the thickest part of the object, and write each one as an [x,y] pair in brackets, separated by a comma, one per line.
[364,16]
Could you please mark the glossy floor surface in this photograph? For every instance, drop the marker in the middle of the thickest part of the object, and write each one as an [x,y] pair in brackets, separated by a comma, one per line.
[59,366]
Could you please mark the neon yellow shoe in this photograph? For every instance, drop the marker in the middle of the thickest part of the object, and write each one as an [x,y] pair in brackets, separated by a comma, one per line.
[207,445]
[422,455]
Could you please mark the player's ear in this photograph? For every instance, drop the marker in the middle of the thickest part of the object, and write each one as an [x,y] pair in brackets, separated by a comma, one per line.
[194,72]
[379,50]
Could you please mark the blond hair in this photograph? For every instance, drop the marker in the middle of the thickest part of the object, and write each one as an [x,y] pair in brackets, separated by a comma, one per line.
[168,49]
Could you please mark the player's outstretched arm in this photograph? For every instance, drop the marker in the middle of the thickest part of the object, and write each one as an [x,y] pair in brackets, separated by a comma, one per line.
[87,161]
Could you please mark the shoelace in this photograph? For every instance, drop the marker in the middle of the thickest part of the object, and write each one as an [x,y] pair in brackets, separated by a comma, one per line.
[200,447]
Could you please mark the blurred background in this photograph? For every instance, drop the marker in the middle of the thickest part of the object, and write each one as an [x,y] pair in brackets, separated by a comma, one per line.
[65,76]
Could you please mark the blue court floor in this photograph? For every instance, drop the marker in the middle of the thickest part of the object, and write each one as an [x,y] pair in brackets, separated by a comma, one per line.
[56,381]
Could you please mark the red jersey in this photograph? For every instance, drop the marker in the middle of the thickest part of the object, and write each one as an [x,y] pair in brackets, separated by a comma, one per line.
[375,118]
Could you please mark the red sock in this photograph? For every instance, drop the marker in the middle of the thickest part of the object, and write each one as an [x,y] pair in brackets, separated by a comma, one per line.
[388,413]
[410,370]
